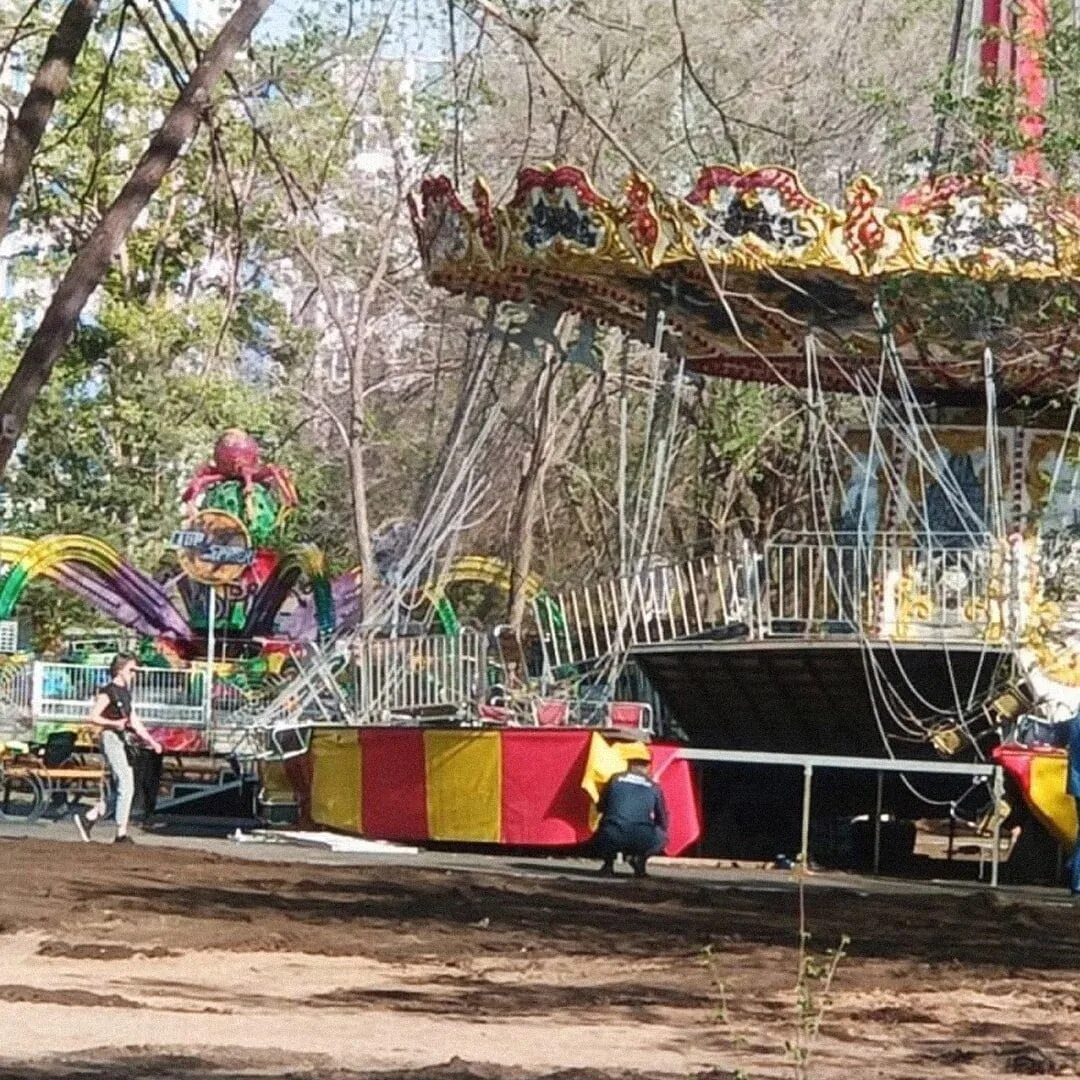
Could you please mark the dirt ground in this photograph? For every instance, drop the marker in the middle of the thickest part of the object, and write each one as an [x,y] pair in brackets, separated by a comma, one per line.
[182,964]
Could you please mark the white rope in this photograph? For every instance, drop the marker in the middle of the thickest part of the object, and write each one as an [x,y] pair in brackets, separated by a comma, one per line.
[872,666]
[1063,450]
[932,456]
[993,492]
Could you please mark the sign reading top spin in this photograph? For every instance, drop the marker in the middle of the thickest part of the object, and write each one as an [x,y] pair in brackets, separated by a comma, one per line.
[215,549]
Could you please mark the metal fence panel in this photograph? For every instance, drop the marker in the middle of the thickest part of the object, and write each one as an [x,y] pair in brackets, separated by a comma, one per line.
[881,588]
[159,695]
[660,604]
[416,675]
[799,586]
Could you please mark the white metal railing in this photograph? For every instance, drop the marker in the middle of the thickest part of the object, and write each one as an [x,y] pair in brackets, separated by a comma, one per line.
[887,588]
[661,604]
[414,675]
[162,696]
[16,681]
[882,587]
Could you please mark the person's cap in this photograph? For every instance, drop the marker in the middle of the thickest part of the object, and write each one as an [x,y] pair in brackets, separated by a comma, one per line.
[636,752]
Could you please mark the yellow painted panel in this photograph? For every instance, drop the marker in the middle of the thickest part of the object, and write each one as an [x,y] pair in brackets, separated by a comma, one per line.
[1055,808]
[276,786]
[464,785]
[335,779]
[605,761]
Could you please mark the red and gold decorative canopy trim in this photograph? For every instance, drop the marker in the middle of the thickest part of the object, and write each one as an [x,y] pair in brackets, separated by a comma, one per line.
[748,261]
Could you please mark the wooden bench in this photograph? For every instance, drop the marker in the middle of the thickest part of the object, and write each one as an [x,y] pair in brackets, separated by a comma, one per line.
[36,786]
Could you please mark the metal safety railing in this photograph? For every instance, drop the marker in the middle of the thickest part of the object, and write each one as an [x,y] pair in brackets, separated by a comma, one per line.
[418,675]
[388,677]
[661,604]
[65,692]
[16,688]
[990,773]
[882,587]
[887,588]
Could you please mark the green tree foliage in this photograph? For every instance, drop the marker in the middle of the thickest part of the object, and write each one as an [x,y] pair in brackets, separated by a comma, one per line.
[185,338]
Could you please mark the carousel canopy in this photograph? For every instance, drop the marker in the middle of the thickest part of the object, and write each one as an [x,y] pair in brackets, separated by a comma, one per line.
[748,264]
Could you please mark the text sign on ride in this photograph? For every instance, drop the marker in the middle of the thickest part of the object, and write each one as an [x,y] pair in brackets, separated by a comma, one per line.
[215,549]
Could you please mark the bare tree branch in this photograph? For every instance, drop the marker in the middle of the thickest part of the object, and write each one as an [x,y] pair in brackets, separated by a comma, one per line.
[529,39]
[689,69]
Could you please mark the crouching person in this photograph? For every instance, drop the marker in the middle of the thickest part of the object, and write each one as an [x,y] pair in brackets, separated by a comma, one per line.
[634,819]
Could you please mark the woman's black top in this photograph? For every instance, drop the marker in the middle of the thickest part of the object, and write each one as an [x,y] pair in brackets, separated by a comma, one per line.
[119,707]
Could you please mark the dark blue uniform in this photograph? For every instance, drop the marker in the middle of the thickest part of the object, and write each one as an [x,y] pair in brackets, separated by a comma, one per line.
[1073,788]
[634,818]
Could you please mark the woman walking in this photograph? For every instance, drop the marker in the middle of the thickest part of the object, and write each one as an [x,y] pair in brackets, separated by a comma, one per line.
[112,713]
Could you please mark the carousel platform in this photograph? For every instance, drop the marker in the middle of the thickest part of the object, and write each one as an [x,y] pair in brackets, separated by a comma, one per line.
[816,696]
[821,698]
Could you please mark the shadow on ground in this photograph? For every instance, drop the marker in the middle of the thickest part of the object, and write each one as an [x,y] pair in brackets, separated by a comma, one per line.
[636,919]
[238,1065]
[193,899]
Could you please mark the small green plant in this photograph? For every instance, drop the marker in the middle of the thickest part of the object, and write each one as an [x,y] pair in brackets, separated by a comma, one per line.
[812,990]
[712,966]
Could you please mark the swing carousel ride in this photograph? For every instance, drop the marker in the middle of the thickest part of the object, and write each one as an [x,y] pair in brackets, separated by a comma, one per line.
[928,602]
[924,600]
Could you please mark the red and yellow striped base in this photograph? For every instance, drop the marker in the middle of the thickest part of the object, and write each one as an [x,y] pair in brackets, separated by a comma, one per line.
[529,788]
[1041,774]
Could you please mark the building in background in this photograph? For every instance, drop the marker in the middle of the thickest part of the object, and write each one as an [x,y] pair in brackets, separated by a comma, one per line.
[202,14]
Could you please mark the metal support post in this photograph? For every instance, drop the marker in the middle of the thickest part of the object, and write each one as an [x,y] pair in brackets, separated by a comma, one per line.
[808,778]
[808,762]
[208,689]
[37,689]
[998,789]
[877,822]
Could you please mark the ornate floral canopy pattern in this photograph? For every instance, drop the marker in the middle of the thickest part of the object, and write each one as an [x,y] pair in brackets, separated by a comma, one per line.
[749,261]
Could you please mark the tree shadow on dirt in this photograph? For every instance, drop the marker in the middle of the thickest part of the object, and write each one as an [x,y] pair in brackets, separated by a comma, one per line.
[455,997]
[435,995]
[640,918]
[229,1066]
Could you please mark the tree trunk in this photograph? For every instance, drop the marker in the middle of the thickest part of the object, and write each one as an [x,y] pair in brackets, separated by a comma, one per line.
[92,263]
[523,522]
[358,421]
[24,132]
[556,434]
[361,521]
[522,546]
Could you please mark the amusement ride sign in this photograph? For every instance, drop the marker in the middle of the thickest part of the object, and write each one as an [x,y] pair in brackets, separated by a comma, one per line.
[215,549]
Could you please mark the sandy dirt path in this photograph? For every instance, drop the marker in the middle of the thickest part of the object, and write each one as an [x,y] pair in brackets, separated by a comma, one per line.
[181,964]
